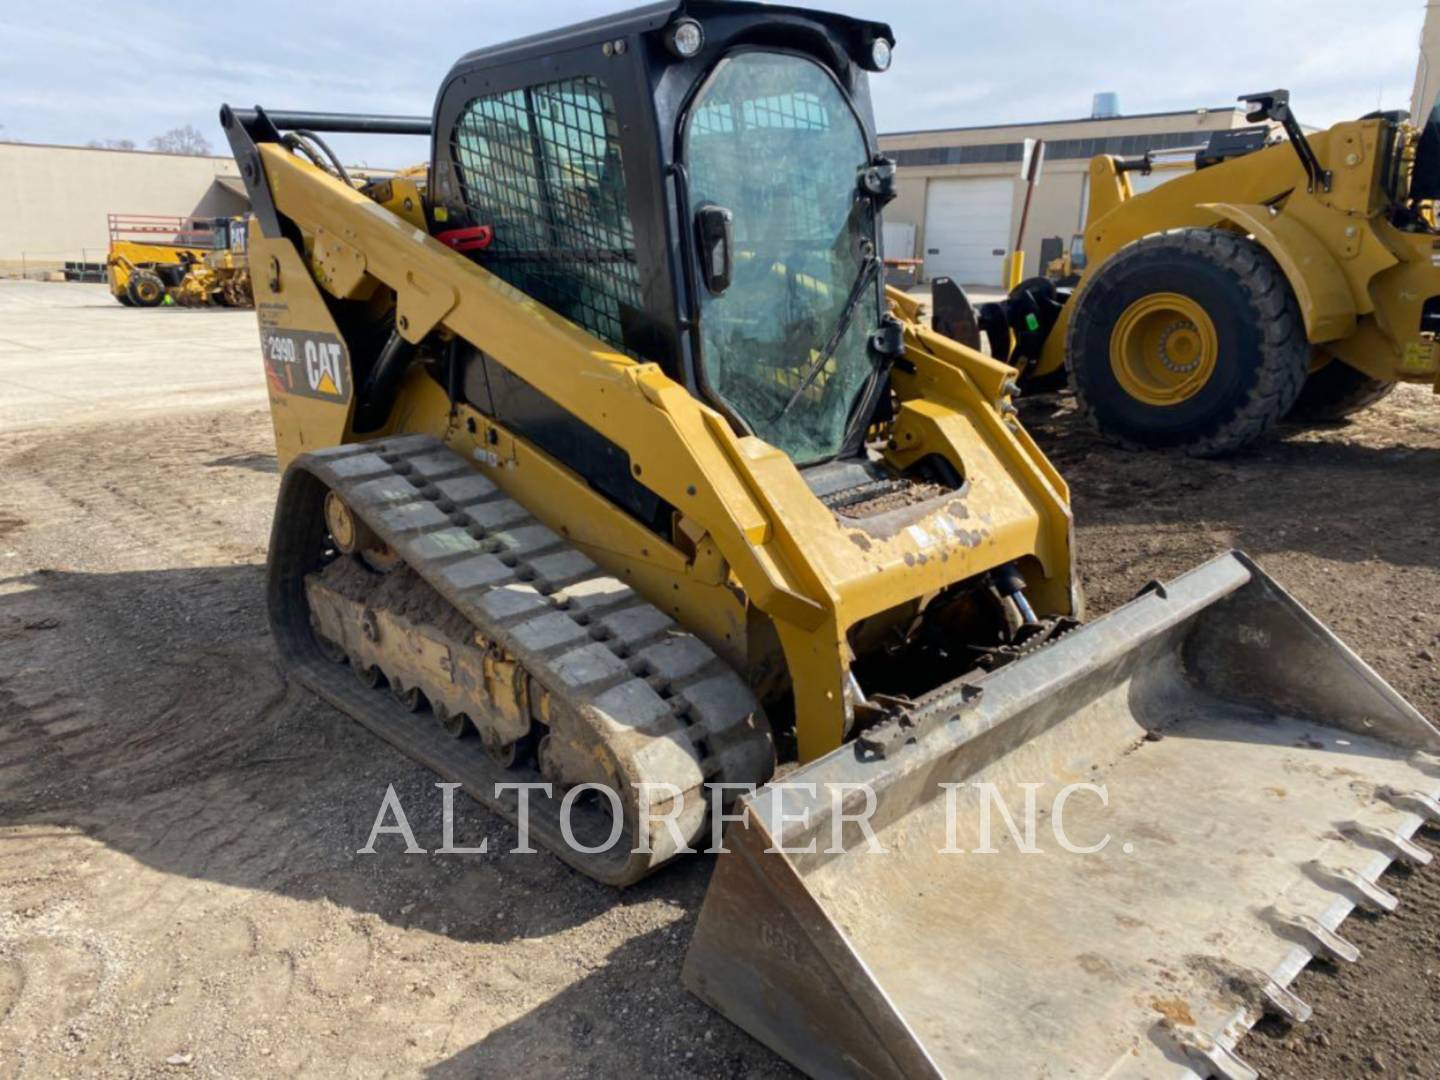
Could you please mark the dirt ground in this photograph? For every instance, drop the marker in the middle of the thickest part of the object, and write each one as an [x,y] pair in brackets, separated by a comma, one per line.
[179,886]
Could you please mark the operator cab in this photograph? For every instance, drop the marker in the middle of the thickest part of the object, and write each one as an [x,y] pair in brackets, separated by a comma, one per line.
[695,184]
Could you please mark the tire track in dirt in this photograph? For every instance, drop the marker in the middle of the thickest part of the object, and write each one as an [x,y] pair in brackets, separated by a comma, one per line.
[116,494]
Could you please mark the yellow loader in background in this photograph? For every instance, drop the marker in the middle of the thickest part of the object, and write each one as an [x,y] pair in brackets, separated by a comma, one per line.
[149,254]
[611,465]
[222,275]
[1295,277]
[156,258]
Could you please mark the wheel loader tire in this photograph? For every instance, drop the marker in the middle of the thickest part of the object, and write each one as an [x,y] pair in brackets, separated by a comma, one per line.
[1336,391]
[124,298]
[145,289]
[1188,340]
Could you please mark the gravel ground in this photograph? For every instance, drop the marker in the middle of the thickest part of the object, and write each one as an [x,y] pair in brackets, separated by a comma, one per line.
[179,888]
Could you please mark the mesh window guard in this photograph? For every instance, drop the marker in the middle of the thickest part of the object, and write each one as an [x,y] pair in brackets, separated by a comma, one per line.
[542,166]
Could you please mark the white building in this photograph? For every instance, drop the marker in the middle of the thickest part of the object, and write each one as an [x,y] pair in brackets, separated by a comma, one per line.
[961,194]
[57,198]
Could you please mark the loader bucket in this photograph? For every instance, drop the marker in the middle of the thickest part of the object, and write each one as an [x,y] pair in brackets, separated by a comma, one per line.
[1258,777]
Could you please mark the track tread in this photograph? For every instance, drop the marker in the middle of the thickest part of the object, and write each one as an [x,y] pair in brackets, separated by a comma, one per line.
[590,639]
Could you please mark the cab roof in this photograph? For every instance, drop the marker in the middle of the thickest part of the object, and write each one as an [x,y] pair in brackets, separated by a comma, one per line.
[653,17]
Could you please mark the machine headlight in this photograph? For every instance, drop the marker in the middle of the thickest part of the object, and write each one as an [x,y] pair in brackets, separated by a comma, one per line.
[880,54]
[685,38]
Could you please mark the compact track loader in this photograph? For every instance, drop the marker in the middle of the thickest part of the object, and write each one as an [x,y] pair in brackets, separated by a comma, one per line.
[1295,276]
[610,464]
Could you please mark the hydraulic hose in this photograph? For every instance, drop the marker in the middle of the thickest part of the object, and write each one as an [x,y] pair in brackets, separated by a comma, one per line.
[378,394]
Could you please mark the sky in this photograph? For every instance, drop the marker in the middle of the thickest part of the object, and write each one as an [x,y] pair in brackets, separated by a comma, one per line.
[72,71]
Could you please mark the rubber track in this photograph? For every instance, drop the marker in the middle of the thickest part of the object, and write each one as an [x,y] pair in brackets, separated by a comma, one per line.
[1284,354]
[666,707]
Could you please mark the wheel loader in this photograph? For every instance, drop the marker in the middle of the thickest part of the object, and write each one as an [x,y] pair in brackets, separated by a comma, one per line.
[222,275]
[1292,276]
[190,261]
[609,465]
[149,255]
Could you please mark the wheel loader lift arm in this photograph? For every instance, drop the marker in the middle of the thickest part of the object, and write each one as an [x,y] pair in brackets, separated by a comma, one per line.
[812,575]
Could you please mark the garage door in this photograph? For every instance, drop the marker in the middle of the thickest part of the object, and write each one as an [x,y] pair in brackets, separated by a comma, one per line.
[967,229]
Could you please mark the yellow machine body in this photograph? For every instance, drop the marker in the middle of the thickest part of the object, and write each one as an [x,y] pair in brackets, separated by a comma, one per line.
[191,261]
[125,255]
[751,532]
[1360,281]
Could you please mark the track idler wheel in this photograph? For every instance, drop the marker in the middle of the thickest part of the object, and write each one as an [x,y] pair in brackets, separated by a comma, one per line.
[350,534]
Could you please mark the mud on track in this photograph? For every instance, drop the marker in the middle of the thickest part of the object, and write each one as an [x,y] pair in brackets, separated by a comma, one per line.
[178,828]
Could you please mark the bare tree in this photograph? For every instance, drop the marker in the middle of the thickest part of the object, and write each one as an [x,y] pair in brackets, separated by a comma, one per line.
[111,144]
[181,140]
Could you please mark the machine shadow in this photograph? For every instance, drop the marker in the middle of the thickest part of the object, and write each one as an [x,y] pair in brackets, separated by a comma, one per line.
[148,711]
[255,462]
[598,1014]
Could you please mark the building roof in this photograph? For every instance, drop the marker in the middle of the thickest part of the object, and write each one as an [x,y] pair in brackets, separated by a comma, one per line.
[116,150]
[234,185]
[1050,123]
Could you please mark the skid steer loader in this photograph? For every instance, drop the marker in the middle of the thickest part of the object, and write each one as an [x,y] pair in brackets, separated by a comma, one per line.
[1295,276]
[610,465]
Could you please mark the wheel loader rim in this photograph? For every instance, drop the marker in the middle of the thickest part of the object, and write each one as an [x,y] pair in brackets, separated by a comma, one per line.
[146,289]
[1163,349]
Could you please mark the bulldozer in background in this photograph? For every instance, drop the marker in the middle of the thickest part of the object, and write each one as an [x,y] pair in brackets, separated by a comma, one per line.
[156,259]
[1285,277]
[609,460]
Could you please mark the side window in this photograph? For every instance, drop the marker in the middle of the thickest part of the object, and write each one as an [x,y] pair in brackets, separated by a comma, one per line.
[759,128]
[542,167]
